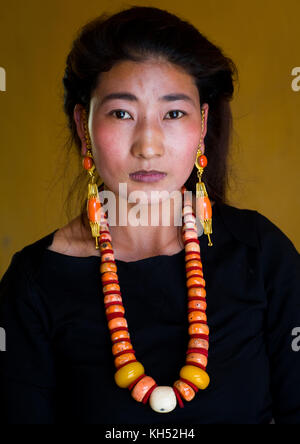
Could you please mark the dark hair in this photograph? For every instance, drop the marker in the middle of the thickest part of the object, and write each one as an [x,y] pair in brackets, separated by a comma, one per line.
[141,32]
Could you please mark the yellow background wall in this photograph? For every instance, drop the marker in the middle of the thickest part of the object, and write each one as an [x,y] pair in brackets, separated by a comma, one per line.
[261,36]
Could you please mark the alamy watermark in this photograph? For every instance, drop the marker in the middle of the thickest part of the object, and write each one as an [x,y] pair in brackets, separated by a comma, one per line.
[140,203]
[296,341]
[2,340]
[2,79]
[296,81]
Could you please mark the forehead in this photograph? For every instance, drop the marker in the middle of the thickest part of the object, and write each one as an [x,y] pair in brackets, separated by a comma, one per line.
[148,77]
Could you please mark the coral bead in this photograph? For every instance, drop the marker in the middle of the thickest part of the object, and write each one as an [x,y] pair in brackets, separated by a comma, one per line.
[185,390]
[128,374]
[121,346]
[203,208]
[121,334]
[195,329]
[142,387]
[87,163]
[198,343]
[104,267]
[192,246]
[199,292]
[124,358]
[195,281]
[202,161]
[94,206]
[199,358]
[200,305]
[196,375]
[117,323]
[193,272]
[163,399]
[111,287]
[197,316]
[113,298]
[115,309]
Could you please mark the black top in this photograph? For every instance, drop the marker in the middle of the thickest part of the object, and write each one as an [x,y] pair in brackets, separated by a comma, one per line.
[58,365]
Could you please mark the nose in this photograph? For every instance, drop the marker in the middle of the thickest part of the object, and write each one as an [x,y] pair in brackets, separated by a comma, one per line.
[148,142]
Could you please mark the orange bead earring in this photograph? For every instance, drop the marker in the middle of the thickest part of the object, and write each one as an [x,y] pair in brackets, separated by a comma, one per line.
[203,204]
[93,201]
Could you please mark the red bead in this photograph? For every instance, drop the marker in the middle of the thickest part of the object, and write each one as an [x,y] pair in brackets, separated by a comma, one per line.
[87,162]
[202,161]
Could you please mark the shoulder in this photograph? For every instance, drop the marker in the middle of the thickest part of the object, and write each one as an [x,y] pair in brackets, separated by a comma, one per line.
[254,228]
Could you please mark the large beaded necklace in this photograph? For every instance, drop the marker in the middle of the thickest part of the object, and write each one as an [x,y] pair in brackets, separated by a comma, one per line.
[130,372]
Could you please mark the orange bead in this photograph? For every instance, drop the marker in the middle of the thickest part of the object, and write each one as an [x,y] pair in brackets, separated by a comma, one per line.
[198,343]
[193,263]
[202,161]
[195,281]
[193,272]
[201,305]
[198,358]
[193,256]
[94,206]
[187,235]
[109,276]
[87,163]
[121,346]
[111,287]
[203,208]
[115,309]
[107,267]
[198,329]
[117,323]
[124,358]
[142,387]
[105,236]
[105,246]
[197,316]
[192,246]
[121,334]
[197,291]
[185,390]
[112,298]
[107,257]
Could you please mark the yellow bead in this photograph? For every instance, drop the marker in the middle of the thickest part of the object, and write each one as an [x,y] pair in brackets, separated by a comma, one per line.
[195,375]
[128,374]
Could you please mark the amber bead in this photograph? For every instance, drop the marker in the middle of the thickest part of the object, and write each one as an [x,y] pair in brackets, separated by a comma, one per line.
[196,375]
[128,374]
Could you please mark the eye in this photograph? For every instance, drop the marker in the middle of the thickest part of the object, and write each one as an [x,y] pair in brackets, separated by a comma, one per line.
[119,111]
[175,111]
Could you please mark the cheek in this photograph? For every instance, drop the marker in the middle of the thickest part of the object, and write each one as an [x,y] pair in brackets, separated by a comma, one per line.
[109,149]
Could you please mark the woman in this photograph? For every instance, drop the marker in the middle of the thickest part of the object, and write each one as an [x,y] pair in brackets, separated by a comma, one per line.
[198,326]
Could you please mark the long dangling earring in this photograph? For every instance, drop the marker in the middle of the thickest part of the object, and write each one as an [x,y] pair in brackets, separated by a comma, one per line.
[93,202]
[203,205]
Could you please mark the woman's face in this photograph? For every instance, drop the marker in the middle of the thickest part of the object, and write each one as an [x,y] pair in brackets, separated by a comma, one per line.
[149,127]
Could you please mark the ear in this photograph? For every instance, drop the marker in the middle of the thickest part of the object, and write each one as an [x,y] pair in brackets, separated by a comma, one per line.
[80,126]
[205,108]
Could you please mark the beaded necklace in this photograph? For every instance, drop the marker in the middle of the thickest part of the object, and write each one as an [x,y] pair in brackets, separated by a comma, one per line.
[130,372]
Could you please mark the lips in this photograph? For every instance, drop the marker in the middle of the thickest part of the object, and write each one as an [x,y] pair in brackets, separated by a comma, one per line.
[147,176]
[148,172]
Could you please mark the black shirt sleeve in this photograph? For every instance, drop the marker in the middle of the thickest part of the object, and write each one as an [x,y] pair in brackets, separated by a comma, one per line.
[281,275]
[27,378]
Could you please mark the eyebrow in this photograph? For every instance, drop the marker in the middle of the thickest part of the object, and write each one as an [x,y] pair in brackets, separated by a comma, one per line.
[133,98]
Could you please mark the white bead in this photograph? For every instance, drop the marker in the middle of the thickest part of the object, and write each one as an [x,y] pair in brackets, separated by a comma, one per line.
[163,399]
